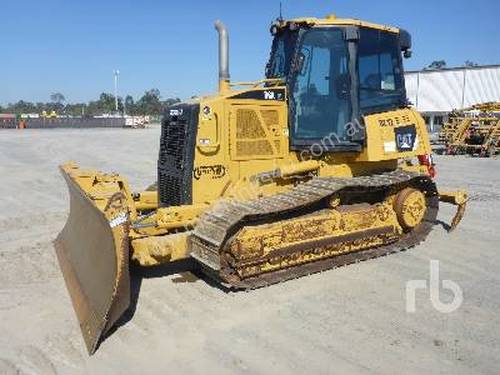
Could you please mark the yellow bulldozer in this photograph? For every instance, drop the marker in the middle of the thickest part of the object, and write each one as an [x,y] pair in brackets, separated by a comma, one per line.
[321,164]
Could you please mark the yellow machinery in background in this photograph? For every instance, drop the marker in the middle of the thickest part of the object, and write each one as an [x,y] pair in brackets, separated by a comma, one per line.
[321,164]
[475,131]
[51,114]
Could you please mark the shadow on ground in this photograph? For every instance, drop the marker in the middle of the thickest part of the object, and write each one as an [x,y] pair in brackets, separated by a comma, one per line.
[187,271]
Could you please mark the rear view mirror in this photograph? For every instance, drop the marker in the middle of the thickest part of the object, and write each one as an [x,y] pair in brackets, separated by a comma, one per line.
[406,43]
[405,40]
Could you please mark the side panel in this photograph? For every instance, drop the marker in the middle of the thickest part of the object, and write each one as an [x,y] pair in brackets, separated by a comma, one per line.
[394,135]
[256,132]
[238,137]
[211,173]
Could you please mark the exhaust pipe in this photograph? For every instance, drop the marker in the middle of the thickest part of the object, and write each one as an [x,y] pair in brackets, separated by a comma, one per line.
[224,77]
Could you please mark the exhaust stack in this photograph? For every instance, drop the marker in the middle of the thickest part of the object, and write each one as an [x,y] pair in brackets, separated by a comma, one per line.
[224,77]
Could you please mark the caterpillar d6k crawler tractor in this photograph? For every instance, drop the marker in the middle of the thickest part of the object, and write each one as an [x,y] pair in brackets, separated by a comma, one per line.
[321,164]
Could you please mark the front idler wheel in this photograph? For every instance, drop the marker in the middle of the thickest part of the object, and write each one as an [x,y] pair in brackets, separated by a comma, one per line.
[410,206]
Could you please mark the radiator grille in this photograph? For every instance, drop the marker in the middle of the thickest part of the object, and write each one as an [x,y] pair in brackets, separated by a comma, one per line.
[175,161]
[256,133]
[248,125]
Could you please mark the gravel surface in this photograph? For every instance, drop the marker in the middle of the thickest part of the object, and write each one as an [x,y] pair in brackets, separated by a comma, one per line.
[349,320]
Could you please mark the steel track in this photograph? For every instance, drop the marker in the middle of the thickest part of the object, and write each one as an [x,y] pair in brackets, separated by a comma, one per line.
[216,228]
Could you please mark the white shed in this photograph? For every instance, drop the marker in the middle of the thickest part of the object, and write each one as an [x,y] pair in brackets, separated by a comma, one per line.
[435,93]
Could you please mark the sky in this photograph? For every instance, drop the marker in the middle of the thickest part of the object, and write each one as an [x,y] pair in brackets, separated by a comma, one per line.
[73,47]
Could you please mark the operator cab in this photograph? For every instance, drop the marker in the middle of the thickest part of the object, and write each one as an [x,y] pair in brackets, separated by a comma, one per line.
[337,71]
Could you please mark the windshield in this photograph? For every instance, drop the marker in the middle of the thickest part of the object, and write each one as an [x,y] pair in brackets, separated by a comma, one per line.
[380,72]
[281,54]
[321,94]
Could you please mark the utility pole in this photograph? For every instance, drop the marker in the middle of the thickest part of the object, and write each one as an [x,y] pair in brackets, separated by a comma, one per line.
[116,74]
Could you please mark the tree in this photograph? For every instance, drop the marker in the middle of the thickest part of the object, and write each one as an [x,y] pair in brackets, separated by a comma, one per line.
[470,64]
[121,107]
[436,65]
[150,103]
[57,103]
[168,102]
[22,107]
[106,103]
[57,97]
[40,107]
[129,105]
[76,109]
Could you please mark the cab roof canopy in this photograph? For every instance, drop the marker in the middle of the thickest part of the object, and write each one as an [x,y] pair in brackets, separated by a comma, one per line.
[332,20]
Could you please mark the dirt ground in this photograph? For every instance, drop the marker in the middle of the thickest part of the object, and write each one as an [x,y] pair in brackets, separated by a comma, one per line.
[349,320]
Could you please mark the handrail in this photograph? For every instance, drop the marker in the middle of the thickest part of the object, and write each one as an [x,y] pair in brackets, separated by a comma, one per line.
[258,83]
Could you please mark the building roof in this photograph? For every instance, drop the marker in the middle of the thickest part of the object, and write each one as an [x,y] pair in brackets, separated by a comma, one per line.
[497,66]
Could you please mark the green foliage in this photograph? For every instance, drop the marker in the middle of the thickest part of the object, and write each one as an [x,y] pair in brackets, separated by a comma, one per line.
[470,64]
[149,104]
[76,109]
[129,105]
[170,101]
[436,65]
[57,97]
[22,107]
[105,105]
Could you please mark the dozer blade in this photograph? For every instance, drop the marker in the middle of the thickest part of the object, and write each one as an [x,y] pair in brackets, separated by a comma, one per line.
[93,253]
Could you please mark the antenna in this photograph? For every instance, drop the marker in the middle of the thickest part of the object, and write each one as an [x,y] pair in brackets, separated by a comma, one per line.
[281,11]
